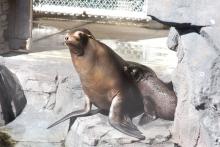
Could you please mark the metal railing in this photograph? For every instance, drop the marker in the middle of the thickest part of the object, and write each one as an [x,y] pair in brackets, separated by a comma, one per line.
[124,9]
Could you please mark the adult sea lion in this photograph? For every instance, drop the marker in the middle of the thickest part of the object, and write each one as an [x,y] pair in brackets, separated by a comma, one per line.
[107,86]
[123,88]
[161,95]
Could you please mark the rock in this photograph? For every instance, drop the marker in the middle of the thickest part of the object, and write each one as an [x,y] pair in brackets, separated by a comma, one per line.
[12,98]
[185,13]
[6,141]
[41,87]
[195,37]
[38,144]
[96,131]
[173,38]
[1,61]
[69,94]
[196,82]
[30,128]
[211,34]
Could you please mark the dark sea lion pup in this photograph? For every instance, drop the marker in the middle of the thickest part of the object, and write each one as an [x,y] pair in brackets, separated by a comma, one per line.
[161,95]
[107,86]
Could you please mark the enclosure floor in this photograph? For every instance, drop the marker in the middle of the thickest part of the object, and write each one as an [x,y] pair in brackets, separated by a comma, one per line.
[51,32]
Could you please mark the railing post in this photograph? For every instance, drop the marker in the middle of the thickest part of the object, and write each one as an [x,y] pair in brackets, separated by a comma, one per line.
[20,24]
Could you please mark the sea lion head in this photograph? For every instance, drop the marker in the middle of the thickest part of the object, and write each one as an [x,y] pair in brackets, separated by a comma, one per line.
[77,40]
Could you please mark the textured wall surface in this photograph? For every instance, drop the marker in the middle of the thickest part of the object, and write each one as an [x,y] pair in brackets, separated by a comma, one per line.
[195,37]
[4,6]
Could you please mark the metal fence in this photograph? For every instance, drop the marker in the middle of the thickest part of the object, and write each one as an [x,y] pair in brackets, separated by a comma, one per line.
[125,9]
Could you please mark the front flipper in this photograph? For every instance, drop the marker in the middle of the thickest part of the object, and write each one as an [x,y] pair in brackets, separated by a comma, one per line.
[122,122]
[84,112]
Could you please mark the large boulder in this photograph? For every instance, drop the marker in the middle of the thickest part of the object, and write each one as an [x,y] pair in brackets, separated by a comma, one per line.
[196,81]
[195,37]
[185,13]
[12,98]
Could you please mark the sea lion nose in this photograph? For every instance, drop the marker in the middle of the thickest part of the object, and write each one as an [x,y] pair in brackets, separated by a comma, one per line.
[66,38]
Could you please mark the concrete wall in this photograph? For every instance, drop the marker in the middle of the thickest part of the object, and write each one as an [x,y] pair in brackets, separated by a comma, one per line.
[15,24]
[4,8]
[19,32]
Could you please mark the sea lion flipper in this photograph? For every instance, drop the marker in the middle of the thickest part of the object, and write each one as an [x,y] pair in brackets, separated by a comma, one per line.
[121,121]
[83,112]
[71,114]
[127,129]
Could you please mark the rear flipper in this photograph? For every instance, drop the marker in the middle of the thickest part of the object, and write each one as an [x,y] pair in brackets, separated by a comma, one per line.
[70,115]
[86,111]
[127,128]
[146,118]
[149,111]
[122,122]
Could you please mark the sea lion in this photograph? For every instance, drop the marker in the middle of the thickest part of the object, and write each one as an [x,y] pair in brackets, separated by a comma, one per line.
[107,86]
[153,90]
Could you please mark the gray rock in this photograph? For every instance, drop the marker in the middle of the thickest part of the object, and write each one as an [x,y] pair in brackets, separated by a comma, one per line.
[12,98]
[185,12]
[212,35]
[96,131]
[196,79]
[1,60]
[41,86]
[38,85]
[172,39]
[69,95]
[196,82]
[39,144]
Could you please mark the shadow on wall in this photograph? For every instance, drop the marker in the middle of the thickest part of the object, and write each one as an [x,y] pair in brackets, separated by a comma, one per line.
[12,98]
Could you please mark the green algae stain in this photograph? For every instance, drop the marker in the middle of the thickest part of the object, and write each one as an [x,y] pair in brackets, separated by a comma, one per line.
[6,141]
